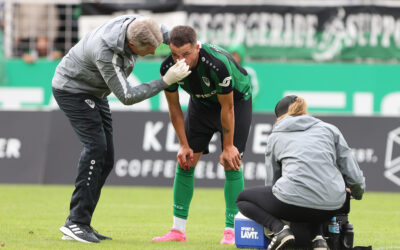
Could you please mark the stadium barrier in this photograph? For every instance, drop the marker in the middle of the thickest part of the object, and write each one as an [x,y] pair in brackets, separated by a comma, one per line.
[41,147]
[351,89]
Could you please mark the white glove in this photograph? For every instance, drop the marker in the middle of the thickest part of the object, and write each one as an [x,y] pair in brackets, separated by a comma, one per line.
[177,72]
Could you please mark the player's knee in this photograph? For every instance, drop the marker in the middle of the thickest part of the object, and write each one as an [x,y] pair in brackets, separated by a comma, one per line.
[183,172]
[233,174]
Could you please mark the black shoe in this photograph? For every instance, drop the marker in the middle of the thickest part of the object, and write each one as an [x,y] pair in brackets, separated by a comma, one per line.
[319,243]
[100,236]
[79,232]
[284,238]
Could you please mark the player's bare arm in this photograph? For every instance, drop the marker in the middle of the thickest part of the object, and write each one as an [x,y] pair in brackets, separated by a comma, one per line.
[230,157]
[185,153]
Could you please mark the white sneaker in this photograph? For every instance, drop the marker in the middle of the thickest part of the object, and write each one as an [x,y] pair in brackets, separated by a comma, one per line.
[66,237]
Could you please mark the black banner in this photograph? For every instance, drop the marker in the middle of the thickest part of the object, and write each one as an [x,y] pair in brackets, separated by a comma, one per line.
[23,146]
[287,31]
[110,7]
[41,147]
[317,33]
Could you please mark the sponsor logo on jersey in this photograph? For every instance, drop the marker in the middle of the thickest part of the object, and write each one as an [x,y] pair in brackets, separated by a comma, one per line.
[226,82]
[90,103]
[206,81]
[206,95]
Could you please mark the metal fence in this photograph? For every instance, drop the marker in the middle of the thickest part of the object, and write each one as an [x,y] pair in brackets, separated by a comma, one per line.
[40,27]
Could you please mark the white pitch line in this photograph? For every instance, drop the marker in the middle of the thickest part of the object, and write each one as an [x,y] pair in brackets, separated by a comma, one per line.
[384,248]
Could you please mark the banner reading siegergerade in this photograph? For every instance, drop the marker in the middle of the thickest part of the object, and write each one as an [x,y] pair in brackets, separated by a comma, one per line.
[328,31]
[319,33]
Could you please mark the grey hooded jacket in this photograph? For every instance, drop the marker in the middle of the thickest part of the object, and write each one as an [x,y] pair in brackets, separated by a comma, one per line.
[310,164]
[100,63]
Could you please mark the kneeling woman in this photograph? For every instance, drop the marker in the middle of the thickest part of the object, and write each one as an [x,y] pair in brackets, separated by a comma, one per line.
[309,167]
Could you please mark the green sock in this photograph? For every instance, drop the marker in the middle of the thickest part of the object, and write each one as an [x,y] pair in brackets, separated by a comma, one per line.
[234,184]
[183,191]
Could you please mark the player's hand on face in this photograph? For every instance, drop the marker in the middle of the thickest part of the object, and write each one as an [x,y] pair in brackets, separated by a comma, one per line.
[185,157]
[230,158]
[177,72]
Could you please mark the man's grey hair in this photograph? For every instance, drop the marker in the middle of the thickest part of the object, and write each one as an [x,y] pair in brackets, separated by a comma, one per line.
[144,31]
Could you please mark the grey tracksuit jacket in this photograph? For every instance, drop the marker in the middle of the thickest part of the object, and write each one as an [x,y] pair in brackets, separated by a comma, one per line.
[309,164]
[101,62]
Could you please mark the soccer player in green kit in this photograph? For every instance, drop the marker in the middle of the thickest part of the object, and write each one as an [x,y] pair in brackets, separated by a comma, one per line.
[220,101]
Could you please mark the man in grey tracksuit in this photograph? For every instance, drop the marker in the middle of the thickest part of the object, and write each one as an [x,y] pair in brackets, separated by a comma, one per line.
[309,166]
[96,66]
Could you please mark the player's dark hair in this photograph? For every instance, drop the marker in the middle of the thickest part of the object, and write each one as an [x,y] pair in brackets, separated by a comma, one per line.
[181,35]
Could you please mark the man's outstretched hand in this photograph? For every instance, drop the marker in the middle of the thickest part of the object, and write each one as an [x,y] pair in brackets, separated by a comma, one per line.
[177,72]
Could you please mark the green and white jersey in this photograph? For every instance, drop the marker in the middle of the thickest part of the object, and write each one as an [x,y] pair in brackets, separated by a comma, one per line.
[216,73]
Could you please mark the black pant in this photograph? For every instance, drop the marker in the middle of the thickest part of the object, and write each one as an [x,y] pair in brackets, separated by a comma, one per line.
[203,121]
[260,205]
[90,118]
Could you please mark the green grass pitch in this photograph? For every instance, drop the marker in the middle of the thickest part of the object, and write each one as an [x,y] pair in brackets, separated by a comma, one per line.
[30,216]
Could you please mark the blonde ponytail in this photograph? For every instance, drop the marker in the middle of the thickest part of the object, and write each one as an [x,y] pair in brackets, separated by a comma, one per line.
[298,107]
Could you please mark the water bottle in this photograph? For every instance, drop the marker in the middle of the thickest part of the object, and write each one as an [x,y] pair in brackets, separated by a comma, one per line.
[334,234]
[347,236]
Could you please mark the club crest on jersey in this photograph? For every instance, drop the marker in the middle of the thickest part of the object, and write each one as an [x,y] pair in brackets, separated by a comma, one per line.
[90,103]
[226,82]
[206,81]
